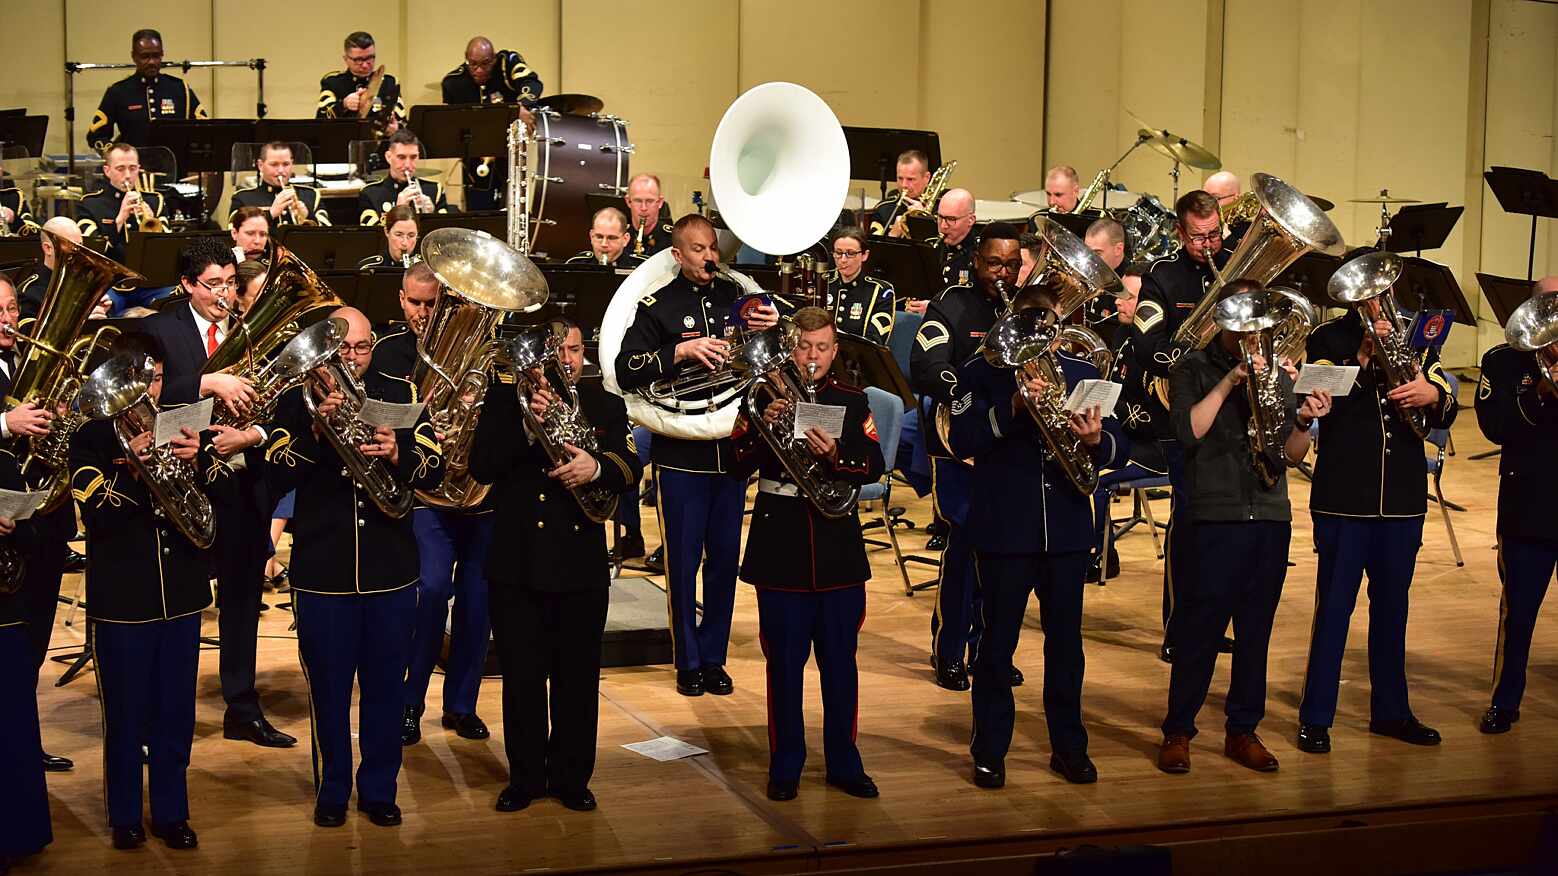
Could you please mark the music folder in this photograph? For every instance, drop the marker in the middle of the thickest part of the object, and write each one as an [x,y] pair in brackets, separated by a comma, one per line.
[913,268]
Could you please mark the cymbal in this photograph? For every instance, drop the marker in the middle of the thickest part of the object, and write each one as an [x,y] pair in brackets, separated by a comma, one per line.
[1177,148]
[572,104]
[1384,197]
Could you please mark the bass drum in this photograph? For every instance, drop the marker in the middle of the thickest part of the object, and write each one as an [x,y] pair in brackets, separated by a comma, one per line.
[573,156]
[1149,231]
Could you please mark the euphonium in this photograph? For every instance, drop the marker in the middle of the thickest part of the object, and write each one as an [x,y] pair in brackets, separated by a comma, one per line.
[483,281]
[517,199]
[785,382]
[534,349]
[1364,284]
[255,340]
[320,344]
[50,367]
[1533,328]
[1255,315]
[117,391]
[1287,225]
[1243,208]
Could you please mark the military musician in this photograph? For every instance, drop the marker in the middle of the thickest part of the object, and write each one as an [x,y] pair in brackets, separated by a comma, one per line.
[343,92]
[120,207]
[489,77]
[26,829]
[286,202]
[651,226]
[1238,546]
[1106,238]
[608,241]
[955,218]
[1030,531]
[913,171]
[400,241]
[251,233]
[548,579]
[810,570]
[1062,188]
[30,292]
[687,326]
[147,585]
[130,105]
[858,303]
[354,571]
[396,188]
[15,215]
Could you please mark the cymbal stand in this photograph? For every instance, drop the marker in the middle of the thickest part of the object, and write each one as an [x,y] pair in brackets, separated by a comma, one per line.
[1384,219]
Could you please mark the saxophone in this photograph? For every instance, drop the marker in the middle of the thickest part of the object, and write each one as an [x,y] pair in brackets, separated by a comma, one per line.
[1364,284]
[785,382]
[117,391]
[532,352]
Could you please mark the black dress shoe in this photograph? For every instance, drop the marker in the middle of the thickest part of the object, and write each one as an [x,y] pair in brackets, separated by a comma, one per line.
[989,777]
[466,726]
[655,562]
[782,791]
[689,682]
[53,763]
[410,726]
[717,681]
[1017,677]
[511,799]
[1166,653]
[259,731]
[628,547]
[382,814]
[1114,563]
[1314,739]
[860,786]
[953,676]
[1077,768]
[937,526]
[1226,647]
[329,816]
[176,835]
[1095,573]
[1497,720]
[578,801]
[129,837]
[1410,730]
[74,560]
[936,543]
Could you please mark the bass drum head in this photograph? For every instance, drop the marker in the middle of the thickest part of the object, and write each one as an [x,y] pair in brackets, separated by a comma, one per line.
[573,156]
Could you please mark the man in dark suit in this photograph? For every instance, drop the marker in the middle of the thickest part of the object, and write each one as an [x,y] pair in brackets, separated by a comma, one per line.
[189,333]
[26,829]
[548,580]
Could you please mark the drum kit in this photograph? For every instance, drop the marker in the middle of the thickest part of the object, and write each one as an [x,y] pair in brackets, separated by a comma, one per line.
[578,150]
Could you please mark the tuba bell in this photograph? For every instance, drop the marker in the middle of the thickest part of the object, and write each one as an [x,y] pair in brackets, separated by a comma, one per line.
[483,280]
[1364,284]
[779,169]
[1256,315]
[116,391]
[1287,225]
[1533,328]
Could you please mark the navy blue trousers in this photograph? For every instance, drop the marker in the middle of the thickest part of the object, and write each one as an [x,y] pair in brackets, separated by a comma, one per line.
[790,624]
[453,551]
[1385,548]
[367,639]
[45,567]
[628,515]
[146,675]
[1526,567]
[1005,583]
[700,524]
[956,623]
[25,829]
[1238,575]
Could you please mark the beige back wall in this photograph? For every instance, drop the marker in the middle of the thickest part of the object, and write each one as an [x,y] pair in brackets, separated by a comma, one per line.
[1340,97]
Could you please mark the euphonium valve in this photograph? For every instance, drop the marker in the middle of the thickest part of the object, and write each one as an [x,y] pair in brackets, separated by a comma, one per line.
[1365,284]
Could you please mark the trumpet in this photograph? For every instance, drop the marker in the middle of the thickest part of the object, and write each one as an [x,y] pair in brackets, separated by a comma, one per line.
[148,219]
[297,210]
[421,202]
[638,239]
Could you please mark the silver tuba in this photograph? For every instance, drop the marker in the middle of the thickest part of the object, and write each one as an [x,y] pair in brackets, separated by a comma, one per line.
[116,390]
[1256,315]
[320,344]
[484,280]
[534,349]
[1287,225]
[784,381]
[779,169]
[1533,328]
[1364,284]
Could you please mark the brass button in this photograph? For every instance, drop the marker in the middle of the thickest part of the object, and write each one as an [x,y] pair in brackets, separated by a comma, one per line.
[540,524]
[361,522]
[576,527]
[541,498]
[344,473]
[167,550]
[359,503]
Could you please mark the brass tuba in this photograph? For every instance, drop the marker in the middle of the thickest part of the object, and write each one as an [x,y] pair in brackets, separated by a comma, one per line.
[117,391]
[1533,328]
[320,346]
[50,369]
[1256,315]
[483,280]
[532,349]
[1364,284]
[1287,225]
[784,381]
[251,350]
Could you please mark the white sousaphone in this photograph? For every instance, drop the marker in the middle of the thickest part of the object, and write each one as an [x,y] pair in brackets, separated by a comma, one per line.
[779,171]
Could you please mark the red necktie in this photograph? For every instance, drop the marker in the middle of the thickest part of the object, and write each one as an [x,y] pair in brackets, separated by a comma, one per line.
[211,340]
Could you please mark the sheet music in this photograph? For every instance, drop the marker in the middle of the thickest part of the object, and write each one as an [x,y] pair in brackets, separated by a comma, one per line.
[1092,393]
[1335,379]
[170,423]
[664,748]
[378,413]
[21,505]
[828,418]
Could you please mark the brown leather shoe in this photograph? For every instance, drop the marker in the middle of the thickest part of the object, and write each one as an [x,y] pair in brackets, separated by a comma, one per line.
[1247,750]
[1174,754]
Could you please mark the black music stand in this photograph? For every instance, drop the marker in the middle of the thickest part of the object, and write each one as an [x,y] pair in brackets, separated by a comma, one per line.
[1505,294]
[21,249]
[201,146]
[913,268]
[580,292]
[594,202]
[1528,192]
[1417,227]
[328,140]
[873,152]
[1425,284]
[1309,276]
[463,132]
[25,131]
[1076,223]
[376,292]
[156,256]
[867,364]
[493,222]
[326,248]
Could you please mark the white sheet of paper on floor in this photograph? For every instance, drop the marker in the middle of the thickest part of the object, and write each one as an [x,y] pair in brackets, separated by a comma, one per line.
[664,748]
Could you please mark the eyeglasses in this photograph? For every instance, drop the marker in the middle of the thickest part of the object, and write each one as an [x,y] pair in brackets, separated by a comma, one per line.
[361,348]
[847,254]
[219,285]
[403,235]
[1204,239]
[948,220]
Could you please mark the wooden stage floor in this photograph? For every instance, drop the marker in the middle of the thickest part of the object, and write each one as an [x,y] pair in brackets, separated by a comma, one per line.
[252,806]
